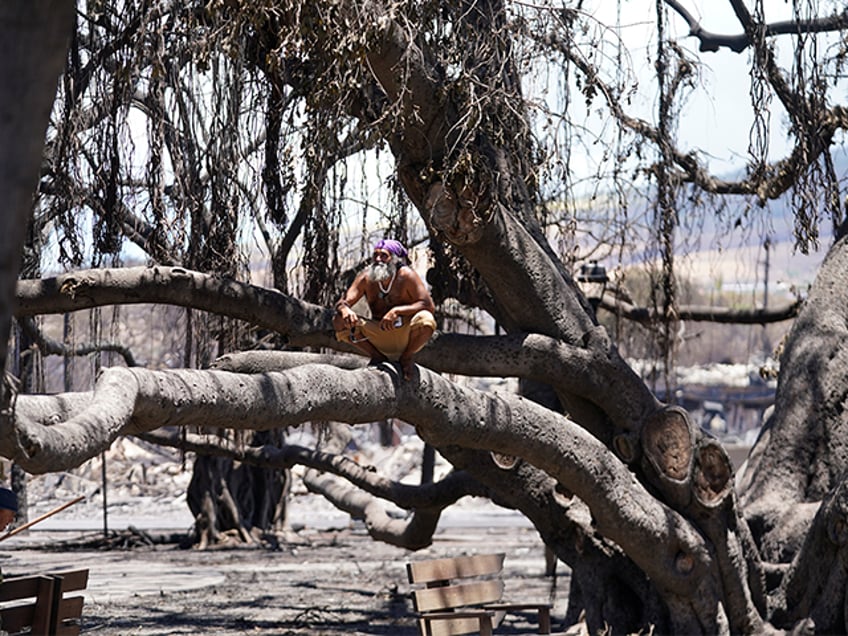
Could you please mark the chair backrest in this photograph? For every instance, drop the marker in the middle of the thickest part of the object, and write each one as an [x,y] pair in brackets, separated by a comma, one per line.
[67,610]
[37,604]
[31,599]
[456,583]
[438,570]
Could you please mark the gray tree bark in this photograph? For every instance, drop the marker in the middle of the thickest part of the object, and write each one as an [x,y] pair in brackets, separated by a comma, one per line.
[34,38]
[623,481]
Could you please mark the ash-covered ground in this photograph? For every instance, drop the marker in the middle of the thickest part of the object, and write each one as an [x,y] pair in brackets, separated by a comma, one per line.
[324,576]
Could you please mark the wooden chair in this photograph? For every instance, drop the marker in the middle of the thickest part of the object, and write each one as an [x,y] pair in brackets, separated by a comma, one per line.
[38,604]
[463,596]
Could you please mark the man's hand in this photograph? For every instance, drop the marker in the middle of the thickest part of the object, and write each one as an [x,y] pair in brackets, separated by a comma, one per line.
[347,315]
[390,321]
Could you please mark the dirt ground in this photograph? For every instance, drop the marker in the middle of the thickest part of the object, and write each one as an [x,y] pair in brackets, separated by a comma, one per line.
[326,582]
[328,577]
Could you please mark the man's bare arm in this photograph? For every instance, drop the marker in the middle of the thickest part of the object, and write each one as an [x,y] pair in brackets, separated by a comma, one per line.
[417,297]
[349,299]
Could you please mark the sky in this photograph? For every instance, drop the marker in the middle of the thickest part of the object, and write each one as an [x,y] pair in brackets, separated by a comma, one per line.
[718,116]
[716,120]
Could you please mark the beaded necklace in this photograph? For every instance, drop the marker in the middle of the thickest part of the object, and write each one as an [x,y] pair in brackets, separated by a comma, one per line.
[384,291]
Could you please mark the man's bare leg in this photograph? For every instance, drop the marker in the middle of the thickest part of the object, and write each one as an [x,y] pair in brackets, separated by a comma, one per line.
[371,351]
[338,323]
[364,346]
[417,339]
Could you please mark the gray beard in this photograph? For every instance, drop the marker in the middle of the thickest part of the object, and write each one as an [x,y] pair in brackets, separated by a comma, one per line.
[378,272]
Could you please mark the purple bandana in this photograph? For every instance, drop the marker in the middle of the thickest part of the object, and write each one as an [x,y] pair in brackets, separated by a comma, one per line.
[391,246]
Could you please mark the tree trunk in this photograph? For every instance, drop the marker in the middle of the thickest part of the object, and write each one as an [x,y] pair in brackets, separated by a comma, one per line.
[793,487]
[33,41]
[236,500]
[626,490]
[795,458]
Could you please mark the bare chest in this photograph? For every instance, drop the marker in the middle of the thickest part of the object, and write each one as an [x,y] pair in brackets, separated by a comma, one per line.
[382,297]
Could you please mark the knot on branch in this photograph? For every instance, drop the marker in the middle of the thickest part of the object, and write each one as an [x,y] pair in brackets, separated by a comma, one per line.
[667,442]
[713,470]
[455,213]
[626,446]
[70,286]
[667,446]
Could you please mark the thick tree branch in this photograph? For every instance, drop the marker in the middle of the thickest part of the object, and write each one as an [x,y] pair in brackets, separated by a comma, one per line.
[302,322]
[437,495]
[711,42]
[414,532]
[593,372]
[49,346]
[359,491]
[624,511]
[694,313]
[83,432]
[400,68]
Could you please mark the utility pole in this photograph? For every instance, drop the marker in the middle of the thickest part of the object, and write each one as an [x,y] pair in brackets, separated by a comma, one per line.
[767,348]
[766,247]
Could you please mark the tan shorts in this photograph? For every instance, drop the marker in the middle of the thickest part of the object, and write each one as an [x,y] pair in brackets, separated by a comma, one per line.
[390,343]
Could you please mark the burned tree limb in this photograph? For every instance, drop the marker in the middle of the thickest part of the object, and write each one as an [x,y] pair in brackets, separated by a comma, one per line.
[49,346]
[440,494]
[738,42]
[443,413]
[413,532]
[720,315]
[176,286]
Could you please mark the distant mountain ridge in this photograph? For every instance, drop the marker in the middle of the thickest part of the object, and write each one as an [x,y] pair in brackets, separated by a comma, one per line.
[727,247]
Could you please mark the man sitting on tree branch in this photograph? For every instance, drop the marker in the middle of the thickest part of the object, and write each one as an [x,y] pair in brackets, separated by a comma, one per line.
[402,318]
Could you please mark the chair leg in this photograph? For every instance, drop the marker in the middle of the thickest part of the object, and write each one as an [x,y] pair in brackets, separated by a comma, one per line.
[485,626]
[45,606]
[544,620]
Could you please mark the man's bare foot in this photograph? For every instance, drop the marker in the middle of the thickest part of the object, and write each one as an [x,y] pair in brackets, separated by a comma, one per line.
[407,364]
